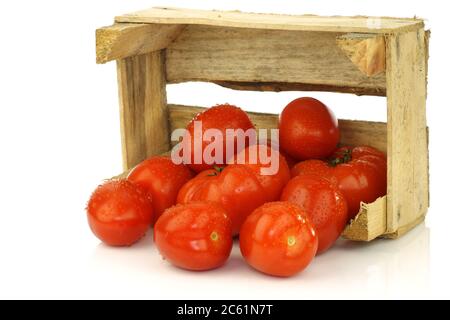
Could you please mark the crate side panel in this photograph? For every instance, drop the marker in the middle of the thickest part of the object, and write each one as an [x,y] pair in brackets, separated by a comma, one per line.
[204,53]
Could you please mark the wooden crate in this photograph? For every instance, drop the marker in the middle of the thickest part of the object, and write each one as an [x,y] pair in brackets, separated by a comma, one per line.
[264,52]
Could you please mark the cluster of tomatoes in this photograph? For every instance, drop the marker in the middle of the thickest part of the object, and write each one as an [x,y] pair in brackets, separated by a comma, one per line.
[283,219]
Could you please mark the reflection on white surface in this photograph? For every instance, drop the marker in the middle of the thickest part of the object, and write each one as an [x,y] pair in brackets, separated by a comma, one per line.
[382,268]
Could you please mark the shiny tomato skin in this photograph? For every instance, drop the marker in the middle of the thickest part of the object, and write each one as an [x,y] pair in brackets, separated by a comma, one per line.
[162,179]
[119,213]
[278,239]
[308,129]
[272,183]
[219,117]
[360,181]
[377,158]
[322,202]
[195,236]
[359,172]
[360,151]
[318,167]
[235,188]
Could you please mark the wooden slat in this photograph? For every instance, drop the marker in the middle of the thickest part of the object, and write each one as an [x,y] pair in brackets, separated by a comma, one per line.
[370,133]
[204,53]
[272,21]
[143,107]
[127,39]
[407,134]
[353,132]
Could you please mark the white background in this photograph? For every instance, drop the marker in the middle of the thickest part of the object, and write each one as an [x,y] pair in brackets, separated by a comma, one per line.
[59,137]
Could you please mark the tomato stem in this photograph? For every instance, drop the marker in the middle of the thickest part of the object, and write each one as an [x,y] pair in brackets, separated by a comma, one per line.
[343,156]
[217,170]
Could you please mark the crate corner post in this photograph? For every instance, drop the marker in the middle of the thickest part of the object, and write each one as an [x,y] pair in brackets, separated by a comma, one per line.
[406,72]
[143,107]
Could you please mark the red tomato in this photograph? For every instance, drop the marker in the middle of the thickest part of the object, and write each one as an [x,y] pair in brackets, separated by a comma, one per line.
[220,117]
[265,157]
[196,236]
[235,187]
[323,203]
[162,179]
[278,239]
[308,129]
[360,174]
[119,213]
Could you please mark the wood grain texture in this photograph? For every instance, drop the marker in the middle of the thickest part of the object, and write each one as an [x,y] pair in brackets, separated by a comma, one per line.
[407,200]
[370,223]
[404,229]
[353,132]
[367,52]
[369,133]
[286,86]
[123,40]
[205,53]
[272,21]
[143,107]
